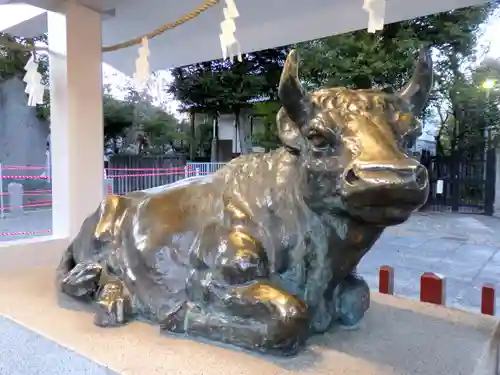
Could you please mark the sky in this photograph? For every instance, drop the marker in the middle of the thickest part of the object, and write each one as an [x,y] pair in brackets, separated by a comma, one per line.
[492,31]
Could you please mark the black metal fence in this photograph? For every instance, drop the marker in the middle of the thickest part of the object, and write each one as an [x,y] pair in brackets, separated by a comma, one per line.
[461,184]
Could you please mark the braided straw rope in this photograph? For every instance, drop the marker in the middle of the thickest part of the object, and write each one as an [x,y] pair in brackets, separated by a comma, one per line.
[168,26]
[132,42]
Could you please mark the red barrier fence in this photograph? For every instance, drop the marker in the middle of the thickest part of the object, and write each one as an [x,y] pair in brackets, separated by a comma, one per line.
[433,289]
[119,178]
[25,233]
[110,173]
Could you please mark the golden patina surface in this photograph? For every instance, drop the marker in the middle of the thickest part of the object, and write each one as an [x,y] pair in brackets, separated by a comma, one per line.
[263,253]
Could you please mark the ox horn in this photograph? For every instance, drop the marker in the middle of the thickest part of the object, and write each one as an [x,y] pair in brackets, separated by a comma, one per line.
[296,103]
[417,90]
[294,98]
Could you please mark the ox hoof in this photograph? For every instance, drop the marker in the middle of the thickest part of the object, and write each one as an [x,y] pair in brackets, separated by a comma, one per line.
[287,341]
[114,308]
[176,319]
[286,336]
[353,327]
[353,301]
[82,281]
[322,319]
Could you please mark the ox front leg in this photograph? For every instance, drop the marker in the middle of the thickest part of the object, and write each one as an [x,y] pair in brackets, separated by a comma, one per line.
[255,316]
[89,281]
[352,300]
[81,280]
[233,302]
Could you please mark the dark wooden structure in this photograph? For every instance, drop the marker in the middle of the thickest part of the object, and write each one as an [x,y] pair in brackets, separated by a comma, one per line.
[468,182]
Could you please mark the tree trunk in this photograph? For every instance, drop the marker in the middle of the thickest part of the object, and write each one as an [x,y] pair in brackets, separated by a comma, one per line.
[192,141]
[215,138]
[243,128]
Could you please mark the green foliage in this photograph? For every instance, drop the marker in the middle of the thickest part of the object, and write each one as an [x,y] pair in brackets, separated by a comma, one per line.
[217,86]
[363,60]
[223,86]
[266,112]
[386,58]
[119,116]
[202,138]
[159,127]
[472,112]
[12,60]
[356,60]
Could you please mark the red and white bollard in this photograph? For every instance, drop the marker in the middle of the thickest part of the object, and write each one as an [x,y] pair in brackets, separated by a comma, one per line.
[432,288]
[488,300]
[386,280]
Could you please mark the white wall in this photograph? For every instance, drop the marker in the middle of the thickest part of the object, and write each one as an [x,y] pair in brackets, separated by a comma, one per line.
[226,127]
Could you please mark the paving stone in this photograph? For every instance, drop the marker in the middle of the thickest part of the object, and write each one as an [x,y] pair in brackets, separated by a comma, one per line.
[490,273]
[24,352]
[472,252]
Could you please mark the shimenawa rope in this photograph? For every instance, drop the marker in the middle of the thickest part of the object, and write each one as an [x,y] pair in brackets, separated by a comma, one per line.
[132,42]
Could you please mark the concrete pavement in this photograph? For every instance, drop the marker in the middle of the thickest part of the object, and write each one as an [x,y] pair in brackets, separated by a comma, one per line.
[25,352]
[463,248]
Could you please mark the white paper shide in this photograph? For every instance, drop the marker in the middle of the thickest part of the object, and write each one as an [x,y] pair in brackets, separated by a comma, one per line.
[141,75]
[33,79]
[376,14]
[228,42]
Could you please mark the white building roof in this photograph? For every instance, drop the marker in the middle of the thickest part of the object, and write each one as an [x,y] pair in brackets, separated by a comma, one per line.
[262,24]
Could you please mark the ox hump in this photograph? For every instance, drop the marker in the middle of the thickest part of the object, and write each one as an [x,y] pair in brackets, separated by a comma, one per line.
[111,214]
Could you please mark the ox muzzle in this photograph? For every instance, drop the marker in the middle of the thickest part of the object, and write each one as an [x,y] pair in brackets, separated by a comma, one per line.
[385,192]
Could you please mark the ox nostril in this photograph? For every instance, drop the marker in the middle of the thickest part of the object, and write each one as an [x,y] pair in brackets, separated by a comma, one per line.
[421,176]
[350,177]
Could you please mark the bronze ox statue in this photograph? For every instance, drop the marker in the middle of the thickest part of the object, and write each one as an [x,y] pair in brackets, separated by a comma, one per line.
[262,254]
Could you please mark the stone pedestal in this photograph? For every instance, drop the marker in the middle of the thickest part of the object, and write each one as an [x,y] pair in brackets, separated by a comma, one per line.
[396,337]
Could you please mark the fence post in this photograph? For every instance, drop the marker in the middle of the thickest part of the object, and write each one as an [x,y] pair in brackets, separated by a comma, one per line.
[197,171]
[386,280]
[488,300]
[490,178]
[432,288]
[2,208]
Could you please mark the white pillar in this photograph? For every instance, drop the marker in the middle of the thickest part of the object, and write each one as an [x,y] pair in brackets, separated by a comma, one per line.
[76,116]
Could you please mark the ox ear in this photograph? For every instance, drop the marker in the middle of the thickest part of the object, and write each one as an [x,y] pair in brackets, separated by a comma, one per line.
[417,90]
[296,102]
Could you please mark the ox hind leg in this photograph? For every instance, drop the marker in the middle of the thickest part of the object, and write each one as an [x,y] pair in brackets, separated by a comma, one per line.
[235,304]
[84,271]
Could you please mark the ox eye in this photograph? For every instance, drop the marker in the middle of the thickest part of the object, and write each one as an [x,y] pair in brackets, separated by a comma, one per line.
[403,117]
[319,142]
